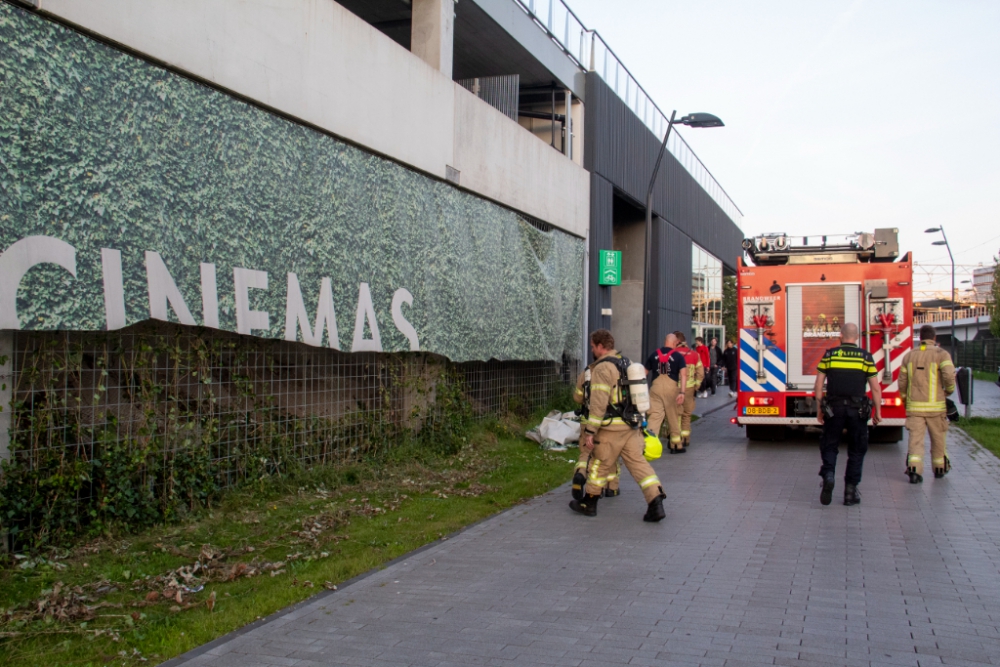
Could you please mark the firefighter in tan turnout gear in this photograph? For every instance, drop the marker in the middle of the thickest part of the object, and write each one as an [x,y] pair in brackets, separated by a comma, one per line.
[696,373]
[580,470]
[926,377]
[609,432]
[668,374]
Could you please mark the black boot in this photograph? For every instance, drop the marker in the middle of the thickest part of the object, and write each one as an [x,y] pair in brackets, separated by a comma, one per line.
[938,473]
[851,495]
[579,481]
[914,477]
[611,493]
[587,506]
[826,495]
[655,511]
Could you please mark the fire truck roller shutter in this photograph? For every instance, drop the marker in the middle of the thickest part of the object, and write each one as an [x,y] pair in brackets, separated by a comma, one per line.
[775,364]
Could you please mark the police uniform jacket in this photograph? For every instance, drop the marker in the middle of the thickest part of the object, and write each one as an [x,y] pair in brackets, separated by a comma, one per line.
[847,368]
[604,391]
[926,376]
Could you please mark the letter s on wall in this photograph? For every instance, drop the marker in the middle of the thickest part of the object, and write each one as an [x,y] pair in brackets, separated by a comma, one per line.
[15,262]
[402,296]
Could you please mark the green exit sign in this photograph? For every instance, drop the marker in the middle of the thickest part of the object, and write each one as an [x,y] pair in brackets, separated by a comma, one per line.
[610,267]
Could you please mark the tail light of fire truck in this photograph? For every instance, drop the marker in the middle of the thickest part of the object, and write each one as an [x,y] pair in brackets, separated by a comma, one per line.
[892,402]
[761,400]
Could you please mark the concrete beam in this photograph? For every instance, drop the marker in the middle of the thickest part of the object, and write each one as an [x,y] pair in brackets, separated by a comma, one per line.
[432,35]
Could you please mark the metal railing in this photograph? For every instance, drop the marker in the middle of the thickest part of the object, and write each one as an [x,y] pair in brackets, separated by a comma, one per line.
[588,50]
[933,316]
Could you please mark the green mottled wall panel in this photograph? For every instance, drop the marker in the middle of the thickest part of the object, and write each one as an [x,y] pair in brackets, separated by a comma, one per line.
[101,149]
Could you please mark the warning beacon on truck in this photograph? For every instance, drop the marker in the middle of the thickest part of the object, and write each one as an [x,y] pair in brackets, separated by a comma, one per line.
[794,293]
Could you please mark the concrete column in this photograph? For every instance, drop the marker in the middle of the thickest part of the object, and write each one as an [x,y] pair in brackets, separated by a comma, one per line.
[432,34]
[6,390]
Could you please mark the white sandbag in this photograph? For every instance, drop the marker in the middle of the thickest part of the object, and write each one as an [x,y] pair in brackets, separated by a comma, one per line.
[560,430]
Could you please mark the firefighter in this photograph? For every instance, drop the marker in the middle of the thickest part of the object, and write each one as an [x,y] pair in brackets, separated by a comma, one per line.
[667,371]
[606,435]
[926,376]
[696,373]
[848,368]
[580,470]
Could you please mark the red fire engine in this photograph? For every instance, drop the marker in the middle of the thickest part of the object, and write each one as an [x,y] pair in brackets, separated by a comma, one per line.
[793,297]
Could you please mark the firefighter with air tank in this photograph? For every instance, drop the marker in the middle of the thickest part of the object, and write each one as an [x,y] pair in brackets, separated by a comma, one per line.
[580,396]
[926,377]
[668,373]
[696,373]
[612,429]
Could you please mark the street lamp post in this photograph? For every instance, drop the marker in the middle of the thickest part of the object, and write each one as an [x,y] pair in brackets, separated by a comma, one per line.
[934,230]
[691,120]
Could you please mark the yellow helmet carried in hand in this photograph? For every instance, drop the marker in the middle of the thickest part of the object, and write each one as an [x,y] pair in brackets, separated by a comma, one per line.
[654,448]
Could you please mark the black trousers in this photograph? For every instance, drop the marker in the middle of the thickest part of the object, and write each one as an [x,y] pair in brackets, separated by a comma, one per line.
[844,416]
[733,376]
[711,379]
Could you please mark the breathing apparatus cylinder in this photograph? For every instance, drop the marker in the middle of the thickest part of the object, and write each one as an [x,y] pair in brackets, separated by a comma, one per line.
[637,387]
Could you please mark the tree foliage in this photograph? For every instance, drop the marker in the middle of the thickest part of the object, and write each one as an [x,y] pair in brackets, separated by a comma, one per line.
[729,308]
[994,300]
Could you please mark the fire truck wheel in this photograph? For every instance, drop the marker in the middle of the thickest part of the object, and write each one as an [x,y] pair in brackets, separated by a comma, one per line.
[886,434]
[765,432]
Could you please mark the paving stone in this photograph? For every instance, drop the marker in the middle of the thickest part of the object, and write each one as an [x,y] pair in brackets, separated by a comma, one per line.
[748,568]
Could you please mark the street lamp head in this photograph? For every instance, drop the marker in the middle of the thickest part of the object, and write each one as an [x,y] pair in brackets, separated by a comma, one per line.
[932,230]
[940,243]
[701,120]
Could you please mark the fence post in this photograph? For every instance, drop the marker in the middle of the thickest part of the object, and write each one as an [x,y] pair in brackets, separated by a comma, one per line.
[6,412]
[6,390]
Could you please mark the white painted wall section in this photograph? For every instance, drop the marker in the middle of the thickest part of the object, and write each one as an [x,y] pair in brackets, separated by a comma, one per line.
[501,160]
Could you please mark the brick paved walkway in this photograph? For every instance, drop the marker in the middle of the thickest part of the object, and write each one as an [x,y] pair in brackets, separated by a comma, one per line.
[747,569]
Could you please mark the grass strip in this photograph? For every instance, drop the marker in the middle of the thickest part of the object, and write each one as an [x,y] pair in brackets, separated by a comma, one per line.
[144,598]
[985,375]
[984,430]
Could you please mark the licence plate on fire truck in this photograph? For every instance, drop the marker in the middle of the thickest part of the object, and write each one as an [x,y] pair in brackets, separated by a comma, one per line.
[761,411]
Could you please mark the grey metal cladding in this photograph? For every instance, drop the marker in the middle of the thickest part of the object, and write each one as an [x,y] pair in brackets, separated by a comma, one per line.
[602,195]
[620,148]
[671,273]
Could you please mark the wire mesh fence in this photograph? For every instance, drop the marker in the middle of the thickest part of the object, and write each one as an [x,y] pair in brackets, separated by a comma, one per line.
[156,418]
[980,355]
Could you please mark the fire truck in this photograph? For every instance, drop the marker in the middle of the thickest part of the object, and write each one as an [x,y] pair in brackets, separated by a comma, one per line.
[794,293]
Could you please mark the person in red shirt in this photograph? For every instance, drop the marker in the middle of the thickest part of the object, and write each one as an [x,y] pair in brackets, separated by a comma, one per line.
[703,354]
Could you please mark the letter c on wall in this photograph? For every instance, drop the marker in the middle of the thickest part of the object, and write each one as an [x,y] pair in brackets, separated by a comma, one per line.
[17,259]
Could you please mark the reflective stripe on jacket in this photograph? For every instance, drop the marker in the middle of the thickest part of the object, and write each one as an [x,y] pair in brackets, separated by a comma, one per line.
[697,369]
[926,377]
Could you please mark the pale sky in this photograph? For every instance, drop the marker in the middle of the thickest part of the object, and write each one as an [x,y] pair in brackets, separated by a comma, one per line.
[841,116]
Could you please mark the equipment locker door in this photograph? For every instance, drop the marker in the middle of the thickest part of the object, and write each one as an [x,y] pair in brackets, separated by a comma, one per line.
[815,314]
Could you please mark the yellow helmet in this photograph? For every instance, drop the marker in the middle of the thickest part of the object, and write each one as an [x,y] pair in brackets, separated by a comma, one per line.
[654,448]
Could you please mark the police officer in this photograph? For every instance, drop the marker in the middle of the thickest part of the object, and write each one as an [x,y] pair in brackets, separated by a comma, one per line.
[667,371]
[846,369]
[606,436]
[696,374]
[926,376]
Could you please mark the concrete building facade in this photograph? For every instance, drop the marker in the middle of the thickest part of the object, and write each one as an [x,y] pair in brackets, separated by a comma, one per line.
[445,172]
